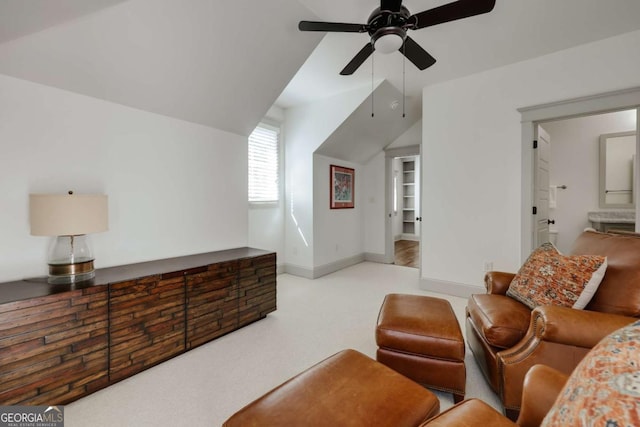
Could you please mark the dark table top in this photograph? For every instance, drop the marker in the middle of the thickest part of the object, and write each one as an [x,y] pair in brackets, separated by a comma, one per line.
[39,287]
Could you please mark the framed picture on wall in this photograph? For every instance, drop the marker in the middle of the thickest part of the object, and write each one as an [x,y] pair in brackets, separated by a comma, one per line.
[342,187]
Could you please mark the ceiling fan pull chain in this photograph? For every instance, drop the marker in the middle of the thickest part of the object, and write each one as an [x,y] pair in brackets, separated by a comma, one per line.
[404,62]
[372,56]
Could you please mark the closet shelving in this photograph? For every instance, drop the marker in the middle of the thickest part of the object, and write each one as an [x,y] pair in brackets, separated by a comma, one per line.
[409,194]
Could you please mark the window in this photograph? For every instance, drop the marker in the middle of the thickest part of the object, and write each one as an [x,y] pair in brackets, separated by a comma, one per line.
[263,164]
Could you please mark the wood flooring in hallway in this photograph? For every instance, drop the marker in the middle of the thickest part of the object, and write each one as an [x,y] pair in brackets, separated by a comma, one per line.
[406,253]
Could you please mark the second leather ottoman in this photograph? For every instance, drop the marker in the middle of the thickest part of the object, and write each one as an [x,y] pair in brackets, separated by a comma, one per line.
[347,389]
[419,337]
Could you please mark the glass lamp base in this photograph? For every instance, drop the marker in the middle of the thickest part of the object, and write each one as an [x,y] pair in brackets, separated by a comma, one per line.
[71,273]
[70,260]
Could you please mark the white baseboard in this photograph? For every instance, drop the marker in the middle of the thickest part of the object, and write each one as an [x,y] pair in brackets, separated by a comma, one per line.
[334,266]
[323,270]
[412,237]
[297,270]
[379,258]
[450,288]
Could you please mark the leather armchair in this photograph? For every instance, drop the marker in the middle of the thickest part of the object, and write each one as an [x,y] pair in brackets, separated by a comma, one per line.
[541,387]
[507,338]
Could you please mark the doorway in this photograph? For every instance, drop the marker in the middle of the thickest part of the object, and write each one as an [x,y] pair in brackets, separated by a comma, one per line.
[575,175]
[403,224]
[531,116]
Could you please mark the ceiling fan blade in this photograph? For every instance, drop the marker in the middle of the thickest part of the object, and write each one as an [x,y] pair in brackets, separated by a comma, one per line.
[358,60]
[416,54]
[332,27]
[450,12]
[391,5]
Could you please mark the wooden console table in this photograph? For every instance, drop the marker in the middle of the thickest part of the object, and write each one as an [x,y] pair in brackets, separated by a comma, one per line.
[61,342]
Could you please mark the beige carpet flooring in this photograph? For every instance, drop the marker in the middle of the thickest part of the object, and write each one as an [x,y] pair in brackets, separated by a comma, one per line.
[315,319]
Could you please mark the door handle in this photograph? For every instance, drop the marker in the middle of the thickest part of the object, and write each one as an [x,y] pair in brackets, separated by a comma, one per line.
[551,221]
[419,218]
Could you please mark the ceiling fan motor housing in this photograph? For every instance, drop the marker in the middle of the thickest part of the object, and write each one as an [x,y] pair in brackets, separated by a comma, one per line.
[383,23]
[380,19]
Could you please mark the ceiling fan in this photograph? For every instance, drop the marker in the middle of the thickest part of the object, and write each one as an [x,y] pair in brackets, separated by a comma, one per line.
[388,25]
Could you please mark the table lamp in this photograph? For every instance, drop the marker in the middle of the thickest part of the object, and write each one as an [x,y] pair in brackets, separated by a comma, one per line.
[69,218]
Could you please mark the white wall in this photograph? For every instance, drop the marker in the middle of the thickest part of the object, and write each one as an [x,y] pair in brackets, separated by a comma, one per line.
[307,127]
[374,203]
[174,187]
[574,162]
[472,153]
[413,136]
[338,233]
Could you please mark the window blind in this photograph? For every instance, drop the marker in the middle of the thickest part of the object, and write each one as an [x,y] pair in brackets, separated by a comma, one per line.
[263,164]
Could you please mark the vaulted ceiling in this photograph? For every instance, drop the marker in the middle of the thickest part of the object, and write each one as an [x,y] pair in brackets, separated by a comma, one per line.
[224,63]
[217,63]
[377,122]
[514,31]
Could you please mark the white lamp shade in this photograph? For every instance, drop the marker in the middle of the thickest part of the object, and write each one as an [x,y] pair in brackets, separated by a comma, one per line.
[68,214]
[388,43]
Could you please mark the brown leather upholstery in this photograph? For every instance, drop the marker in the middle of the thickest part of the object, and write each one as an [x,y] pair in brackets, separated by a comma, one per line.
[497,282]
[420,337]
[502,320]
[542,385]
[618,292]
[471,412]
[558,337]
[554,336]
[347,389]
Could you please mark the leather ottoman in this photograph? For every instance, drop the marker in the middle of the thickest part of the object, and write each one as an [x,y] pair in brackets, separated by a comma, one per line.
[471,412]
[419,337]
[347,389]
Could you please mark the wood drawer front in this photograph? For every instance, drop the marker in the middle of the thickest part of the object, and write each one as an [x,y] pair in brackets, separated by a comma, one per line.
[53,349]
[256,288]
[212,303]
[146,324]
[58,347]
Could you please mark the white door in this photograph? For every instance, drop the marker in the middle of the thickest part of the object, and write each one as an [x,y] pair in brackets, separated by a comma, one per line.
[541,155]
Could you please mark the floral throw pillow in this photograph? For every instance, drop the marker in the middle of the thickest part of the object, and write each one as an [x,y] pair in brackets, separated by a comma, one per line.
[604,389]
[550,278]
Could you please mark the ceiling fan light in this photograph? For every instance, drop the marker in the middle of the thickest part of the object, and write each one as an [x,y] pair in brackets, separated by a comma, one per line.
[388,43]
